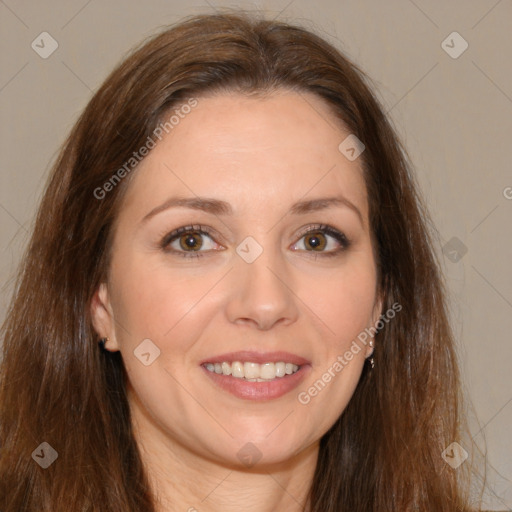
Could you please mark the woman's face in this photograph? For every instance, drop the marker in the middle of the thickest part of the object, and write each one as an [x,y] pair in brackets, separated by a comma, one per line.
[259,272]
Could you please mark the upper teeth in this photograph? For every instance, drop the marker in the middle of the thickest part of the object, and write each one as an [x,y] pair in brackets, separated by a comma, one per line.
[253,372]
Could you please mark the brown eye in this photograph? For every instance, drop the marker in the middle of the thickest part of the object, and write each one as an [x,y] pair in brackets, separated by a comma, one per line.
[315,241]
[191,241]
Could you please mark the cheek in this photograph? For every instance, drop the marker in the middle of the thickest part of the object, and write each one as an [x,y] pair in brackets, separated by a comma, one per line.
[160,303]
[157,301]
[343,301]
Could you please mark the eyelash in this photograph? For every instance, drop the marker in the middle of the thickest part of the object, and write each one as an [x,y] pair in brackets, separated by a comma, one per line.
[204,230]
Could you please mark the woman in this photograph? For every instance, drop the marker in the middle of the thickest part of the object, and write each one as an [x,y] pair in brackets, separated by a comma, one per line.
[233,219]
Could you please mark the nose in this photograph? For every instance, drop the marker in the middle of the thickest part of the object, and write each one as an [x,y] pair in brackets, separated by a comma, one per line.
[262,293]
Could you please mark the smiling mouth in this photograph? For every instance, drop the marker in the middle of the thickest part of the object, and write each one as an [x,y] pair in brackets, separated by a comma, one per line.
[253,372]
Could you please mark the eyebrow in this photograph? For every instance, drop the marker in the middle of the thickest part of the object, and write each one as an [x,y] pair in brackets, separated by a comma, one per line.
[219,207]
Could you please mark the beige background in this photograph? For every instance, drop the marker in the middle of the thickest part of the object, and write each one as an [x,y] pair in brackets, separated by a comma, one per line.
[454,114]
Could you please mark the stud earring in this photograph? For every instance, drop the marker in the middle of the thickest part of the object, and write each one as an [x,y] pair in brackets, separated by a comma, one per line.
[102,342]
[372,361]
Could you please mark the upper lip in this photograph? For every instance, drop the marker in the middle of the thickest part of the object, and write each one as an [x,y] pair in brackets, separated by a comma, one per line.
[257,357]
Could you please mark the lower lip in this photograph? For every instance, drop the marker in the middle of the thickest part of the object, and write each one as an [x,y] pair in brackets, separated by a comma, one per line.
[261,391]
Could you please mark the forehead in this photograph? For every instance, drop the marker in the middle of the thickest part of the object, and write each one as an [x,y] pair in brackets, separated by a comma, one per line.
[263,151]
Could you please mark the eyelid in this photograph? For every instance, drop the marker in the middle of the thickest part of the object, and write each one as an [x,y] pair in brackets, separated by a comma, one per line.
[319,227]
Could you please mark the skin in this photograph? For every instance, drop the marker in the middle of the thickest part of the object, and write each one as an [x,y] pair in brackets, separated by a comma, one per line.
[260,155]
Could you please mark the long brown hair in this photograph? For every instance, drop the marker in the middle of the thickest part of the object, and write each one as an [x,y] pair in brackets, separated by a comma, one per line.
[383,453]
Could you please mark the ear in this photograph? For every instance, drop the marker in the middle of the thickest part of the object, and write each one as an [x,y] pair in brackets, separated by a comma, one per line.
[103,317]
[376,314]
[377,309]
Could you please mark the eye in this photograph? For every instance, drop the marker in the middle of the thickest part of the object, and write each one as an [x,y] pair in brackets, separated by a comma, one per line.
[194,241]
[189,241]
[322,239]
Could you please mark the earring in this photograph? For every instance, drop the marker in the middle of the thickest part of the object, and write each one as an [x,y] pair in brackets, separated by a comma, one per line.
[102,342]
[372,361]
